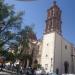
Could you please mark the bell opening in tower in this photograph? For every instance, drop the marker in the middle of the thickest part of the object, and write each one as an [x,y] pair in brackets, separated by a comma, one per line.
[53,22]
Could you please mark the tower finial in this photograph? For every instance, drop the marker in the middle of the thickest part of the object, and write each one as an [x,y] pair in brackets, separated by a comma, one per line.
[54,2]
[53,22]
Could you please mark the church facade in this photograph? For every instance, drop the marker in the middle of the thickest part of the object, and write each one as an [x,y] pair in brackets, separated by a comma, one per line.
[57,54]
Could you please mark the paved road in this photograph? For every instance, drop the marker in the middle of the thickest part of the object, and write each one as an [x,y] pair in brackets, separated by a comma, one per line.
[5,73]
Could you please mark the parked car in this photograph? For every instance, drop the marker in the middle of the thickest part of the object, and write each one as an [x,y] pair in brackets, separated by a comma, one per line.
[40,72]
[28,71]
[51,74]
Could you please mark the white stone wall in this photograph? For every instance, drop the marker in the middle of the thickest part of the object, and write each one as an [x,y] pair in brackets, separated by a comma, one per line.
[48,52]
[39,51]
[73,59]
[55,51]
[62,54]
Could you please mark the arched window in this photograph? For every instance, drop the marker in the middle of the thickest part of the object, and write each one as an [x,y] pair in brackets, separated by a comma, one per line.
[35,61]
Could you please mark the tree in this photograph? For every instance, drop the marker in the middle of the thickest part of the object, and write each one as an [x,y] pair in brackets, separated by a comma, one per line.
[27,35]
[9,20]
[11,57]
[14,47]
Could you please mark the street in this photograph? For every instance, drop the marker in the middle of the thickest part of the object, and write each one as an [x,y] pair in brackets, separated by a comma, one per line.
[5,73]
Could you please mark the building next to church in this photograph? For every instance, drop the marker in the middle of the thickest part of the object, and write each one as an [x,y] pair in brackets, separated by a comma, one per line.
[56,53]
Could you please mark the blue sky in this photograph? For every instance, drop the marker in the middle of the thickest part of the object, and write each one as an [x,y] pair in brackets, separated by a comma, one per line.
[36,13]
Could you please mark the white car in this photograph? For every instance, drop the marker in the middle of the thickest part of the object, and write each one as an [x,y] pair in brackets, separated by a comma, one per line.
[68,74]
[40,72]
[51,74]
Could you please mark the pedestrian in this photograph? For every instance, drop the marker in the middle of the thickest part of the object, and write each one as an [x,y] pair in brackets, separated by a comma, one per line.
[21,69]
[1,67]
[17,67]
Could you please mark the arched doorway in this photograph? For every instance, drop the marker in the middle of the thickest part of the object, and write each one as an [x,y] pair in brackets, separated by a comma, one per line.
[57,71]
[66,67]
[35,63]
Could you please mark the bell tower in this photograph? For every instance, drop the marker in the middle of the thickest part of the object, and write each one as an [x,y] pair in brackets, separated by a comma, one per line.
[53,22]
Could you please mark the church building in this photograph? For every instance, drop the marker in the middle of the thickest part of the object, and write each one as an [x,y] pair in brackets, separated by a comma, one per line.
[57,54]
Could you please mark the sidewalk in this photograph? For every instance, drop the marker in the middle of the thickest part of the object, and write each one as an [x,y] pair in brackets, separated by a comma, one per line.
[12,72]
[4,73]
[9,71]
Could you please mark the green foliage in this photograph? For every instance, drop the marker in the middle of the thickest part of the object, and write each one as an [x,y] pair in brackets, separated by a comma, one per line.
[27,34]
[35,66]
[8,55]
[11,57]
[38,66]
[25,38]
[9,20]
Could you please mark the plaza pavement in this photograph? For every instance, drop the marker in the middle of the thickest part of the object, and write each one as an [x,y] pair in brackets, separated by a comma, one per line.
[5,73]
